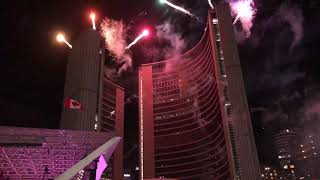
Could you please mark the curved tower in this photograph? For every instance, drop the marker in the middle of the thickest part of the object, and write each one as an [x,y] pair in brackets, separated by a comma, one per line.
[194,119]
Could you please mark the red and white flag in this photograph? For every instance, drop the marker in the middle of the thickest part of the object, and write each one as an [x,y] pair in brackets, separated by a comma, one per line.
[72,104]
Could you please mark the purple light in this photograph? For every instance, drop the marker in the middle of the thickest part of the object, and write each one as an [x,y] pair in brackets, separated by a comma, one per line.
[102,165]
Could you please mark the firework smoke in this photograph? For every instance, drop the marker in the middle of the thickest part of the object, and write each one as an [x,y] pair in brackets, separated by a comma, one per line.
[293,16]
[311,110]
[304,109]
[111,73]
[169,44]
[166,32]
[179,9]
[244,10]
[143,34]
[174,45]
[114,35]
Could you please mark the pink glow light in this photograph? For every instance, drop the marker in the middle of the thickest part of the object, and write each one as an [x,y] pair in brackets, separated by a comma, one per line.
[145,32]
[102,165]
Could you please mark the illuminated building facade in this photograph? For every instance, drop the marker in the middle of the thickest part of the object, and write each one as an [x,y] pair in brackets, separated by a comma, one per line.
[298,152]
[194,118]
[285,143]
[268,172]
[308,153]
[102,100]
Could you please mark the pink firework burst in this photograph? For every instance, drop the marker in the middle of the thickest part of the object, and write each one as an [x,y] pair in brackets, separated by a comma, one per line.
[244,11]
[114,34]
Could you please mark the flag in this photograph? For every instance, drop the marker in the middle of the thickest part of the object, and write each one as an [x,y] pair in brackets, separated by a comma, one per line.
[73,104]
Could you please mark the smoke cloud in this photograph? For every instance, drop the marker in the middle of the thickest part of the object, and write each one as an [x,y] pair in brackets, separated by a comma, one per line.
[293,16]
[283,110]
[168,43]
[294,108]
[274,38]
[165,32]
[240,35]
[310,110]
[285,15]
[114,33]
[111,73]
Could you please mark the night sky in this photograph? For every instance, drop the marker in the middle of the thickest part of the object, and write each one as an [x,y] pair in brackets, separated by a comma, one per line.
[280,59]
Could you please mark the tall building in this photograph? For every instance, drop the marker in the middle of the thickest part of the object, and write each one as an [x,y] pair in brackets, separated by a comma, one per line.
[245,153]
[83,79]
[102,100]
[194,118]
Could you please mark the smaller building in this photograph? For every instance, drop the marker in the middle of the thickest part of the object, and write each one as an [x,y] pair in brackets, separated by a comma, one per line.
[298,152]
[307,154]
[285,143]
[269,172]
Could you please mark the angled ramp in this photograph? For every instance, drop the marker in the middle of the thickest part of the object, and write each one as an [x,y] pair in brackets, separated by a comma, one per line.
[71,172]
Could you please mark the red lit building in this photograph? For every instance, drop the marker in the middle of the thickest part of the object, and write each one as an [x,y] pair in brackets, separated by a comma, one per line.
[103,101]
[194,119]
